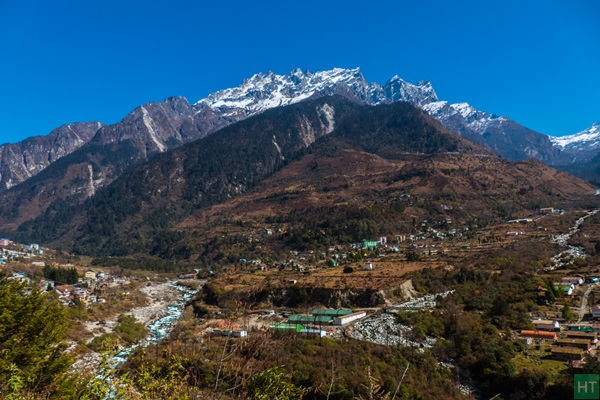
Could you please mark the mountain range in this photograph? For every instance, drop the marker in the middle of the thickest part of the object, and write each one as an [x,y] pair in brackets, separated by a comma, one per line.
[151,127]
[49,175]
[401,147]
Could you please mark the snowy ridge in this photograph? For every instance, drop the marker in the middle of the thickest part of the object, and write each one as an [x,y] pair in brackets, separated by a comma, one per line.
[264,91]
[500,134]
[587,139]
[465,114]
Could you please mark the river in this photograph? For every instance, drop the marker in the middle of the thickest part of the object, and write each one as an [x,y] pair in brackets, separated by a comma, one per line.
[160,328]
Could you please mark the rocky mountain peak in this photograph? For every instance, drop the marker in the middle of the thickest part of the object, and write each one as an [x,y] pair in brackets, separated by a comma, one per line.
[264,91]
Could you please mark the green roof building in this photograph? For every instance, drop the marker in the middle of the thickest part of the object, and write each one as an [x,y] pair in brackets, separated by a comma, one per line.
[310,319]
[328,312]
[286,327]
[369,243]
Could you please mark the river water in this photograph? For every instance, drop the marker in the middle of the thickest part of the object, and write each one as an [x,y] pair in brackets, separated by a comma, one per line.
[160,328]
[157,330]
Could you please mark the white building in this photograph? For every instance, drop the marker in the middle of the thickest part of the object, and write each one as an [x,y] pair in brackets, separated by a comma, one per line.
[546,325]
[572,280]
[313,332]
[346,319]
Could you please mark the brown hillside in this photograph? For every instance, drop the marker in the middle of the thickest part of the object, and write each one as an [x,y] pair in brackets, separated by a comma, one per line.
[472,183]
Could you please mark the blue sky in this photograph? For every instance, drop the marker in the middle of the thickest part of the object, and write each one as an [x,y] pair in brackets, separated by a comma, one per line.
[537,62]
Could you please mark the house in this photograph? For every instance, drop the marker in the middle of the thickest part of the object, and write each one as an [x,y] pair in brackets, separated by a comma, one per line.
[567,353]
[346,319]
[236,333]
[567,289]
[63,291]
[369,243]
[310,319]
[545,211]
[90,274]
[584,344]
[313,332]
[526,340]
[331,312]
[581,328]
[591,336]
[546,325]
[286,327]
[596,311]
[368,267]
[572,280]
[38,264]
[19,276]
[538,335]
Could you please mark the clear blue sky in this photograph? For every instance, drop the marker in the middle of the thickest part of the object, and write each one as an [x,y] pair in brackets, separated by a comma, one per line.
[537,62]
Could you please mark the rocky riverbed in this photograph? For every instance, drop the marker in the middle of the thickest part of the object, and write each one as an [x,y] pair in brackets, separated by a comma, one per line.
[570,253]
[383,328]
[165,306]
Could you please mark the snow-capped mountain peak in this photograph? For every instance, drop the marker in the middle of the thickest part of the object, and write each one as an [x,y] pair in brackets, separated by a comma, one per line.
[463,114]
[587,139]
[264,91]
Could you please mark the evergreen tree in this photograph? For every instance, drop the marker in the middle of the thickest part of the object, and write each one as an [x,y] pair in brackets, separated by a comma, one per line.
[33,363]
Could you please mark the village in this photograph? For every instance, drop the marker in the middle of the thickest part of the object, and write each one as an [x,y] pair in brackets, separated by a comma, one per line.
[72,285]
[379,264]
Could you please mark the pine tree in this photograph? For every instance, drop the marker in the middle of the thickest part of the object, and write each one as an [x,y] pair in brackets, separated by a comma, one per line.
[33,363]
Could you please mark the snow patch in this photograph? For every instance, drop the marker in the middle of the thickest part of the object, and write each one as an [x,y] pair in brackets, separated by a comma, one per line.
[278,148]
[587,139]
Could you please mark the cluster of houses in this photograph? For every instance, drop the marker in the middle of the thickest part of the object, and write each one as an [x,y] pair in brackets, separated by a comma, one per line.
[568,284]
[313,324]
[85,291]
[571,344]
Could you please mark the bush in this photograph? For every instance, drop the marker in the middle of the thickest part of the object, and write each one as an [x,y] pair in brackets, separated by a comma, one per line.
[130,330]
[104,343]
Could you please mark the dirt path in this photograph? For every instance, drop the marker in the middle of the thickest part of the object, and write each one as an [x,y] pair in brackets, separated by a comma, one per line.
[584,303]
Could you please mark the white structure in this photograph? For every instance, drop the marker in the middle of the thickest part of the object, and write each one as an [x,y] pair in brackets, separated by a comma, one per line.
[313,332]
[232,333]
[546,325]
[368,267]
[572,280]
[346,319]
[596,311]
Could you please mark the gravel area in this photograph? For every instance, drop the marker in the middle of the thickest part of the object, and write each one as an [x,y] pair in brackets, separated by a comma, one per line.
[383,329]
